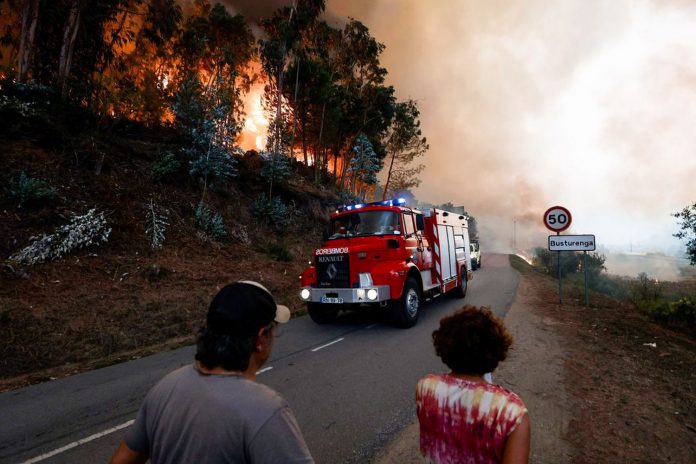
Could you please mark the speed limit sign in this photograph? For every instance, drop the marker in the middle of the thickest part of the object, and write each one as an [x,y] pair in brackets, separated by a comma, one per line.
[557,218]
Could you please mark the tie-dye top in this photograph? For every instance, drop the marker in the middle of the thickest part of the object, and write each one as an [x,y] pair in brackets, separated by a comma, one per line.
[465,422]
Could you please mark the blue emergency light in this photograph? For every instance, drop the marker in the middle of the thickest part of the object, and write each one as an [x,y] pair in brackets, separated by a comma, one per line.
[390,202]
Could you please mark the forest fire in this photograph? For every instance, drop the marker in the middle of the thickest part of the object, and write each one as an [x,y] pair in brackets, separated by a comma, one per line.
[253,134]
[224,80]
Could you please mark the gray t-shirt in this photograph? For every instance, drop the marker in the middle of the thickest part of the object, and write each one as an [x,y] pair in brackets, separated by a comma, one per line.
[194,417]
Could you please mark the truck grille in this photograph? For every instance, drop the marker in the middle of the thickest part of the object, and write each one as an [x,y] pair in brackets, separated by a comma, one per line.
[333,271]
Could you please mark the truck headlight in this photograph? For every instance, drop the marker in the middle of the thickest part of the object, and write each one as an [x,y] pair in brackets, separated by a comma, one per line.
[372,294]
[305,294]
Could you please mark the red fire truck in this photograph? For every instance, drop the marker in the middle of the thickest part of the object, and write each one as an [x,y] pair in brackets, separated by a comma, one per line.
[387,256]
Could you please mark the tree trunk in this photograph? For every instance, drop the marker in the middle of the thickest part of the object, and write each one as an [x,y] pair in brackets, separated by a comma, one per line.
[320,144]
[297,109]
[72,25]
[344,167]
[279,103]
[335,166]
[30,17]
[389,173]
[304,144]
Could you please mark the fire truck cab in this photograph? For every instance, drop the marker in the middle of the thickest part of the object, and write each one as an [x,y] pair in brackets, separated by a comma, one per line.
[388,257]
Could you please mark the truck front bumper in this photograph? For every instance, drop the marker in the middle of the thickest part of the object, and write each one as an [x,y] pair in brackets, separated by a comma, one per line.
[374,294]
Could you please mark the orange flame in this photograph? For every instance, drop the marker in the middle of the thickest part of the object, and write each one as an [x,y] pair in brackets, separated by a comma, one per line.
[253,135]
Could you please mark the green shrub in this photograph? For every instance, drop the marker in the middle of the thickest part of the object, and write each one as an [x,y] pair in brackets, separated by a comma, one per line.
[27,191]
[273,213]
[645,289]
[89,229]
[681,313]
[657,310]
[155,224]
[275,169]
[168,168]
[11,105]
[210,222]
[608,285]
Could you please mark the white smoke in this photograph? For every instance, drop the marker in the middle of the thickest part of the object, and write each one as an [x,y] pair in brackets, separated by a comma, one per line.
[527,104]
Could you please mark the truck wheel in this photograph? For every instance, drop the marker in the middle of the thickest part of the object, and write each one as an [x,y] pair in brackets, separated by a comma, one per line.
[405,310]
[322,313]
[460,291]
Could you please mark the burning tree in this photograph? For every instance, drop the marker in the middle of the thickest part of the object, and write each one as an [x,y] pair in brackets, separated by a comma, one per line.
[284,30]
[190,65]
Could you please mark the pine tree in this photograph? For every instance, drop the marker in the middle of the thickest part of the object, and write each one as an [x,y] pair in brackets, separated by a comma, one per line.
[363,167]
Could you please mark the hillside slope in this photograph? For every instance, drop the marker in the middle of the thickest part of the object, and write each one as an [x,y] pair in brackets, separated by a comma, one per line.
[117,299]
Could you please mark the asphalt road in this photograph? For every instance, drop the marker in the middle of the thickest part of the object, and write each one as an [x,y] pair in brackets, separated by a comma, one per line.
[350,383]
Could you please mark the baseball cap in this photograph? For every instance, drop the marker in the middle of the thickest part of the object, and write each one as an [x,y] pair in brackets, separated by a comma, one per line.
[242,308]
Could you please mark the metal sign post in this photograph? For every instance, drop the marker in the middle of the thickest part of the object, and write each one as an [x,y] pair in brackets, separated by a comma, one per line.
[584,267]
[560,277]
[582,243]
[558,219]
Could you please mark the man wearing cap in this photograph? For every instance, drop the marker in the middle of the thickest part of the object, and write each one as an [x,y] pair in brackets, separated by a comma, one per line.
[213,411]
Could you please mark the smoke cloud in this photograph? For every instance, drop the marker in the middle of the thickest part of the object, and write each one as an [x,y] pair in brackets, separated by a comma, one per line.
[528,104]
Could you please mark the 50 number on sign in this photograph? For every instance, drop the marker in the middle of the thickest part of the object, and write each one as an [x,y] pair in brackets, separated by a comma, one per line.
[557,218]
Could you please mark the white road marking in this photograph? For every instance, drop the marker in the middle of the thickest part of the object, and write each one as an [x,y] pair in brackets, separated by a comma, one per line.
[370,326]
[82,441]
[328,344]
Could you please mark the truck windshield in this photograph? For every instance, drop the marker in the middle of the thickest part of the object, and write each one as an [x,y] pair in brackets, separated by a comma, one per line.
[364,223]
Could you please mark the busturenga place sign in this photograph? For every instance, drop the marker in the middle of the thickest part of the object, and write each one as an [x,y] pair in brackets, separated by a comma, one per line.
[572,243]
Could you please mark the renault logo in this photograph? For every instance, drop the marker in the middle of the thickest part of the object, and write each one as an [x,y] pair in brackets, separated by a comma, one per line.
[331,271]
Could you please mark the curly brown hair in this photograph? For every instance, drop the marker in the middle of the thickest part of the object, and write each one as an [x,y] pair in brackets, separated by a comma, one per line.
[472,341]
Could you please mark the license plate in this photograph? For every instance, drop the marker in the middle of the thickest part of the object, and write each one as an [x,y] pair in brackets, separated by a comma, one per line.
[326,299]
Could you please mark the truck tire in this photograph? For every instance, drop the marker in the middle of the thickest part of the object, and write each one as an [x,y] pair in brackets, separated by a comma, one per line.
[460,291]
[405,310]
[322,313]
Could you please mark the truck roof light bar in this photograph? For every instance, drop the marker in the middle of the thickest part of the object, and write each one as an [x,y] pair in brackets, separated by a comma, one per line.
[390,202]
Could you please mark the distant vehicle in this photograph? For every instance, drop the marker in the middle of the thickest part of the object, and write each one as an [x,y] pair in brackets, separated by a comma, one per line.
[475,252]
[385,256]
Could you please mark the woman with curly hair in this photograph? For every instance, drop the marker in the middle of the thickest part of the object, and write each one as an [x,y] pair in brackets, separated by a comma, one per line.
[463,418]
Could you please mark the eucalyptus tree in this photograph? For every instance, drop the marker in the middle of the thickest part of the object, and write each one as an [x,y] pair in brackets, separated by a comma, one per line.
[367,104]
[217,48]
[405,143]
[310,80]
[29,20]
[283,33]
[141,85]
[687,226]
